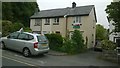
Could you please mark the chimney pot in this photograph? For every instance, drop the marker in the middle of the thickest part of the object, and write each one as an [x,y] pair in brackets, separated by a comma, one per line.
[73,5]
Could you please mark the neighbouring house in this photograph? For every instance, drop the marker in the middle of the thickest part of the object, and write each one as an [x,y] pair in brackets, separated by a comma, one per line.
[114,36]
[65,20]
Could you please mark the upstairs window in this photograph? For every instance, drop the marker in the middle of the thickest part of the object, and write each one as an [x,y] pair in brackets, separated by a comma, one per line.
[56,21]
[47,21]
[77,19]
[38,22]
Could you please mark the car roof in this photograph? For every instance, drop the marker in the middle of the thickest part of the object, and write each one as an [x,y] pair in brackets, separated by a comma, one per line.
[34,34]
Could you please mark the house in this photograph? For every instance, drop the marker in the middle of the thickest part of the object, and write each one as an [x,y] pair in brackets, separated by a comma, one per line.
[114,36]
[63,21]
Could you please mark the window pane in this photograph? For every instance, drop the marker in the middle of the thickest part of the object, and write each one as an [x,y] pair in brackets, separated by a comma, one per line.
[57,19]
[79,19]
[37,22]
[31,37]
[21,36]
[14,35]
[47,21]
[41,38]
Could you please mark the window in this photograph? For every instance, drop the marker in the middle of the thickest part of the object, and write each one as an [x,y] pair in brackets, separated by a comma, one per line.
[57,32]
[41,38]
[56,21]
[31,37]
[92,34]
[38,22]
[22,36]
[47,21]
[13,35]
[77,19]
[25,37]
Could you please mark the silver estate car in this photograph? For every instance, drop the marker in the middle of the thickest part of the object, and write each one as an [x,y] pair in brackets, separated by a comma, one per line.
[27,43]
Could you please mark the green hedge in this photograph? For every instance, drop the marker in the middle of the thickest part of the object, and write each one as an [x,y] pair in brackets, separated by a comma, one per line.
[108,45]
[55,41]
[71,46]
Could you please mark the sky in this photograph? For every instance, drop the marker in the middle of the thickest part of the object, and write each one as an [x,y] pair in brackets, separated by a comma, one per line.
[100,6]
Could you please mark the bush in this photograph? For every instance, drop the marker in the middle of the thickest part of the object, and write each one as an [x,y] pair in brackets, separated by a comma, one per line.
[78,41]
[55,41]
[75,44]
[27,29]
[108,45]
[71,46]
[9,27]
[6,27]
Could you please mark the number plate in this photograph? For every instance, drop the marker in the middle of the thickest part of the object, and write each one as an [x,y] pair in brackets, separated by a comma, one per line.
[44,44]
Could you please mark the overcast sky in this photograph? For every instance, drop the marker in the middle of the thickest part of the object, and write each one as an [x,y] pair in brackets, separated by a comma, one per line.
[100,6]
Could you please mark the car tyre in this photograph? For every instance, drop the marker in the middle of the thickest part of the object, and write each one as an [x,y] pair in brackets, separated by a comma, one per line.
[26,52]
[3,46]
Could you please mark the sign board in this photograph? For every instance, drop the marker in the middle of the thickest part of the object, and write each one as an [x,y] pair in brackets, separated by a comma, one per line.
[76,25]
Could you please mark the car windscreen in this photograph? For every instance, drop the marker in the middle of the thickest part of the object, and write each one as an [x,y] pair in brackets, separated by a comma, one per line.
[41,38]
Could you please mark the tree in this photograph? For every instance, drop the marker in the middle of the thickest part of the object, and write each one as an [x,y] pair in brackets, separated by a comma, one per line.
[19,12]
[77,41]
[101,32]
[9,27]
[113,11]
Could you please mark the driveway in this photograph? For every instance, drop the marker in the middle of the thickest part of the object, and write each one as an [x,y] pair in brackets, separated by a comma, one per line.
[85,59]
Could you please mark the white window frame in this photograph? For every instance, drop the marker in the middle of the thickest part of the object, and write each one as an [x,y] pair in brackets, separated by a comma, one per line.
[77,19]
[47,21]
[56,21]
[38,22]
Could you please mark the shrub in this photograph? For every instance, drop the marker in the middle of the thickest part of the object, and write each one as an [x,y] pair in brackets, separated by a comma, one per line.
[55,41]
[78,41]
[75,44]
[71,46]
[68,47]
[108,45]
[27,29]
[9,27]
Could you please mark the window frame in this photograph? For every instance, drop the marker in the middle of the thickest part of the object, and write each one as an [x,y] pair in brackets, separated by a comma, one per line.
[38,22]
[77,19]
[56,21]
[47,21]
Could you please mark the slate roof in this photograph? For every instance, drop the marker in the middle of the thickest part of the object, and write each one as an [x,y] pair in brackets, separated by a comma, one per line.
[69,11]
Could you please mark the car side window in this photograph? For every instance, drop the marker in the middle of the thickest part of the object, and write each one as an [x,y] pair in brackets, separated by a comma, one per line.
[22,36]
[31,37]
[14,35]
[25,37]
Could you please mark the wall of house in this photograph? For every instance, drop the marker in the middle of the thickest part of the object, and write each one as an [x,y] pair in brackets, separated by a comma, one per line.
[113,36]
[32,25]
[88,27]
[61,27]
[46,28]
[91,29]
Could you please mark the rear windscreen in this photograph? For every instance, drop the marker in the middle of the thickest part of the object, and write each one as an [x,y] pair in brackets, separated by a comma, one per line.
[41,38]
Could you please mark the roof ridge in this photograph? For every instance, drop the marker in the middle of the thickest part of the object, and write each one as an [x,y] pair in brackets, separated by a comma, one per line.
[66,8]
[79,10]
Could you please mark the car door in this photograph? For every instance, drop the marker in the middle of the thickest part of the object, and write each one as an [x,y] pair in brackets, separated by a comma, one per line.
[21,41]
[11,40]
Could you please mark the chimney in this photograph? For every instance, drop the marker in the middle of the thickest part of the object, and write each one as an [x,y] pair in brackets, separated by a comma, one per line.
[73,5]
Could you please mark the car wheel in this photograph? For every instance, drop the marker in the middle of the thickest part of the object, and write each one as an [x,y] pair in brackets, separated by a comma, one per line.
[3,46]
[26,52]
